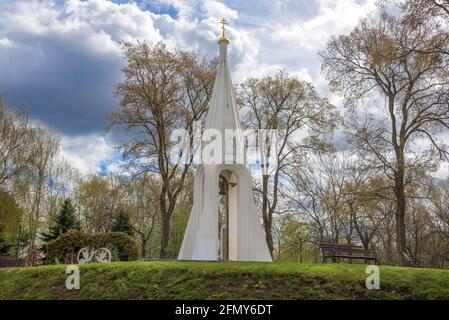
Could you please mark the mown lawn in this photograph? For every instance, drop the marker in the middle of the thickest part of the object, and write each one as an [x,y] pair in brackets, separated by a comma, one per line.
[222,280]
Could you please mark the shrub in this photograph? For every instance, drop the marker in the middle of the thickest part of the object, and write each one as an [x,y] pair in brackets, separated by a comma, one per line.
[59,249]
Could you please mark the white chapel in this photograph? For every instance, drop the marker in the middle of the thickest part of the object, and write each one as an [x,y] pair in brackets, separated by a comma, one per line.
[224,223]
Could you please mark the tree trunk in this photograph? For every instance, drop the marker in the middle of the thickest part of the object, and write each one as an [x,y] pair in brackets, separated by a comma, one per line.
[143,246]
[165,224]
[165,236]
[400,210]
[267,219]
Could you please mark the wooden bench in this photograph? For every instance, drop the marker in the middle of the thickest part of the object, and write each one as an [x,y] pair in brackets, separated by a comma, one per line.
[335,251]
[8,262]
[412,262]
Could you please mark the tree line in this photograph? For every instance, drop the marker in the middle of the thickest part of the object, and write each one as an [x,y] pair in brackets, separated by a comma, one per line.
[377,188]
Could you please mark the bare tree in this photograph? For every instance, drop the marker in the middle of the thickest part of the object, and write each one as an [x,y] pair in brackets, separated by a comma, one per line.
[386,57]
[292,107]
[362,191]
[15,143]
[42,182]
[98,199]
[162,91]
[143,205]
[317,194]
[440,202]
[425,9]
[434,12]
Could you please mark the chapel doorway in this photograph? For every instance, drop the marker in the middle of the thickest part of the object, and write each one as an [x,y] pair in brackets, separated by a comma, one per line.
[223,218]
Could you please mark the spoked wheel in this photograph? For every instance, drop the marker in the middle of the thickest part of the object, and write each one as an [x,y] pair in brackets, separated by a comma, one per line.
[83,256]
[103,255]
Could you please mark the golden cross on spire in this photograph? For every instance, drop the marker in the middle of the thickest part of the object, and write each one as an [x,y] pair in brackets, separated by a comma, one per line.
[223,24]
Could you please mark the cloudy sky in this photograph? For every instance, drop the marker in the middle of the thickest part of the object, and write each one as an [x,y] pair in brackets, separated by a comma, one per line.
[60,60]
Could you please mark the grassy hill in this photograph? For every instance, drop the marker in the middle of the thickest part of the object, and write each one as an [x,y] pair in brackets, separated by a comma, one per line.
[222,280]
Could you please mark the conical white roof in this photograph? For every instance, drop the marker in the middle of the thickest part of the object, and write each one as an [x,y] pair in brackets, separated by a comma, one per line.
[223,111]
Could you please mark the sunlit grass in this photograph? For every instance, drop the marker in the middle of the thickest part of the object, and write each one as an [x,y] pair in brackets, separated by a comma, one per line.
[223,280]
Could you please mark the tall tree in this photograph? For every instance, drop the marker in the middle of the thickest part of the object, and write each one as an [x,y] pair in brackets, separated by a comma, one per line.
[15,143]
[434,12]
[65,220]
[99,199]
[122,223]
[46,145]
[317,194]
[41,178]
[10,217]
[387,57]
[425,9]
[290,106]
[143,207]
[162,91]
[440,201]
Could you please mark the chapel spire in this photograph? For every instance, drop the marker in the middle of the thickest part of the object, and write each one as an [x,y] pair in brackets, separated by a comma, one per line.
[223,111]
[223,41]
[223,29]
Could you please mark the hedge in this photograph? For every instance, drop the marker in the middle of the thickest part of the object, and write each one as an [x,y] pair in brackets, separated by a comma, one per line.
[63,249]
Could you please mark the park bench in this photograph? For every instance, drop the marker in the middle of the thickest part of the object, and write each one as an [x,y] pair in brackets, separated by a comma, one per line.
[412,262]
[335,251]
[8,262]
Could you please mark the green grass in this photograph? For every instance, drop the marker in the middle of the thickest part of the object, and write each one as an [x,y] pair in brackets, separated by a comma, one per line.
[222,280]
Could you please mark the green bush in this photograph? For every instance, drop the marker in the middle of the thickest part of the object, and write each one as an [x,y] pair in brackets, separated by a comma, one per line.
[125,246]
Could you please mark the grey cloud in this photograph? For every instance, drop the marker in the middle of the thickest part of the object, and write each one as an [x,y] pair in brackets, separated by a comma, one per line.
[63,61]
[67,90]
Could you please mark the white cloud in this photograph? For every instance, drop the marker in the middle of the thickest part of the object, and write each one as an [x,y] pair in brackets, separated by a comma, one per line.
[259,43]
[296,43]
[92,26]
[5,42]
[86,153]
[335,17]
[218,10]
